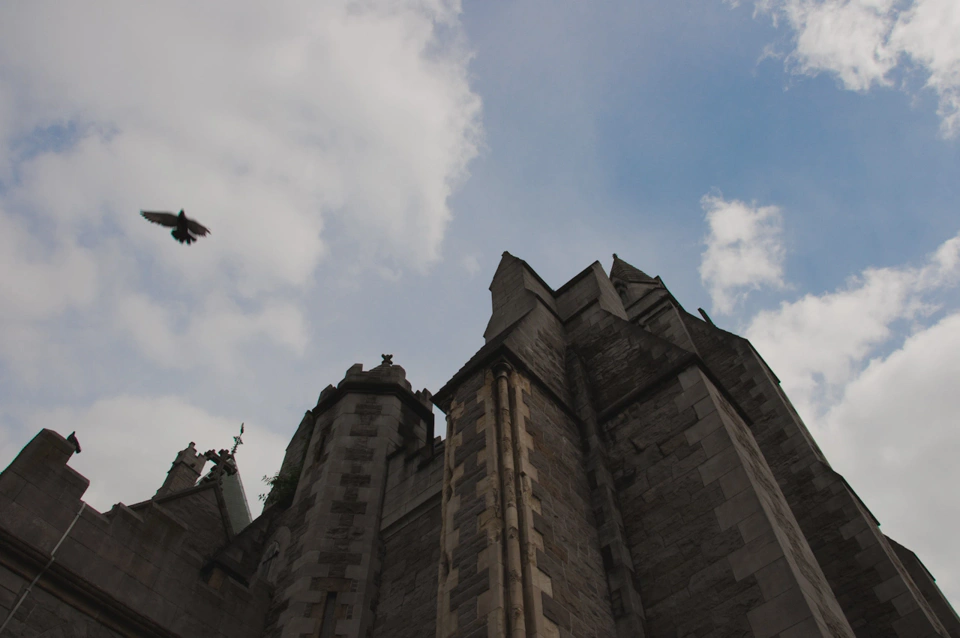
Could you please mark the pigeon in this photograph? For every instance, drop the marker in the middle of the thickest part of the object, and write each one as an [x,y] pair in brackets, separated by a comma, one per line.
[73,439]
[184,230]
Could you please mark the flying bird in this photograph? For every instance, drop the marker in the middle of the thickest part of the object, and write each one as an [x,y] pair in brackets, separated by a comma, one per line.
[185,230]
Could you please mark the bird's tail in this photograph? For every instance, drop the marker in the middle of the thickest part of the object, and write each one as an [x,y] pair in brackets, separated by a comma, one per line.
[184,238]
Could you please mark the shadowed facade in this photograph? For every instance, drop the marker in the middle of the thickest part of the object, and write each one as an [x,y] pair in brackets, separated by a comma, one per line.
[612,466]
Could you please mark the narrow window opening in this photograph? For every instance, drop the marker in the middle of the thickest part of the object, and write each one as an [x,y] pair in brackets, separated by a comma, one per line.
[326,625]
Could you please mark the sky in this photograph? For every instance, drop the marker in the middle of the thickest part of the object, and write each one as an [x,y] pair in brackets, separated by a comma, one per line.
[792,166]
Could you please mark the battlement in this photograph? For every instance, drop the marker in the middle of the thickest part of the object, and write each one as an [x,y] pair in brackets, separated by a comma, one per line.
[386,378]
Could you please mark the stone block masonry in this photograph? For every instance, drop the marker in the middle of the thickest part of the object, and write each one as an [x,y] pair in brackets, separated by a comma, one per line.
[613,467]
[700,512]
[472,598]
[564,550]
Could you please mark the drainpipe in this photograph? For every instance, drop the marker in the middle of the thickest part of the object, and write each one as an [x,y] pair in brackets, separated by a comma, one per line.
[23,596]
[513,570]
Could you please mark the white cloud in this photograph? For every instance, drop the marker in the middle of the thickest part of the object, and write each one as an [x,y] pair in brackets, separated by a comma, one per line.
[927,32]
[471,264]
[887,422]
[42,279]
[895,428]
[208,335]
[129,443]
[862,42]
[846,325]
[263,120]
[743,252]
[847,37]
[293,131]
[35,355]
[289,129]
[63,271]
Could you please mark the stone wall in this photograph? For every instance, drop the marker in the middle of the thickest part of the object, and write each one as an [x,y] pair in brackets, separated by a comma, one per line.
[856,558]
[410,532]
[514,475]
[928,586]
[699,508]
[41,613]
[566,550]
[296,453]
[408,593]
[470,594]
[660,315]
[172,567]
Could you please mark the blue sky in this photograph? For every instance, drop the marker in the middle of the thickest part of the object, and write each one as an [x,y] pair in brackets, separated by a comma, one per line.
[791,166]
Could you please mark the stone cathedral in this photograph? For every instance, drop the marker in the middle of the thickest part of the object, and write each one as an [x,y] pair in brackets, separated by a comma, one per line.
[613,466]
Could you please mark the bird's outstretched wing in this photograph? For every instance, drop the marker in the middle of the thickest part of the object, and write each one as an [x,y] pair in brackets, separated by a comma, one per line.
[197,228]
[164,219]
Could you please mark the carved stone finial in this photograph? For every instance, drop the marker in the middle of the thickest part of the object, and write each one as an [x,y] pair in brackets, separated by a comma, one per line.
[615,256]
[387,359]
